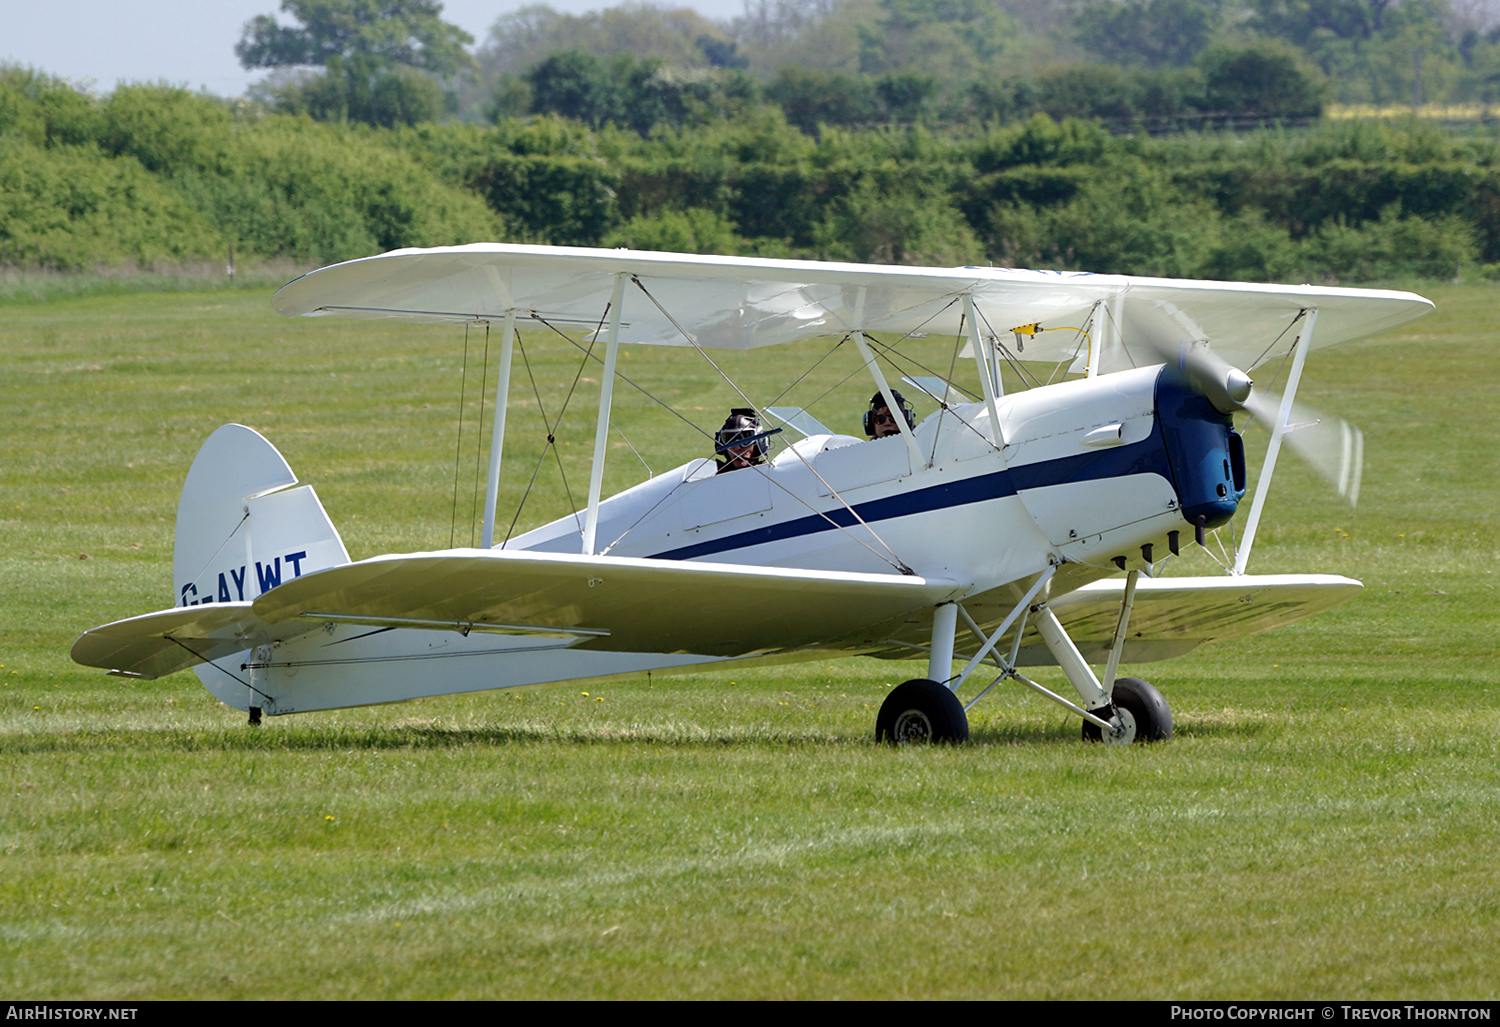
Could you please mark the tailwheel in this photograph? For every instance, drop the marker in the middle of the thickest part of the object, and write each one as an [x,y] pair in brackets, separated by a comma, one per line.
[920,711]
[1144,715]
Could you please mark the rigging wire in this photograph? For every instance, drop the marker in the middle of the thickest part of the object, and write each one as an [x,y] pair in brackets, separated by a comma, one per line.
[798,380]
[1292,324]
[209,562]
[889,352]
[836,385]
[894,561]
[958,344]
[692,341]
[1286,357]
[639,388]
[649,472]
[1119,334]
[551,445]
[643,517]
[1010,358]
[1214,558]
[214,664]
[890,348]
[856,371]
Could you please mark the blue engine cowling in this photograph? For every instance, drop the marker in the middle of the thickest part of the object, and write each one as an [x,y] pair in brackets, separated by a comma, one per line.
[1205,453]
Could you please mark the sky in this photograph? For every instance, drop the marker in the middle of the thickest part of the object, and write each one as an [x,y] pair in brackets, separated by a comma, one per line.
[191,42]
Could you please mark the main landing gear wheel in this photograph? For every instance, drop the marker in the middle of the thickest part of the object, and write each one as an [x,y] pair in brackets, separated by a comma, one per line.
[921,711]
[1144,705]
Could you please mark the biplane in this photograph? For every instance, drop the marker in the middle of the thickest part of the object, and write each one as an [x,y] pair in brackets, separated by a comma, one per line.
[1008,528]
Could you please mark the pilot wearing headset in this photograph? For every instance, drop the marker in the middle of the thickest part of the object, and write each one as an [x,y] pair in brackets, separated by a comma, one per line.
[878,420]
[740,442]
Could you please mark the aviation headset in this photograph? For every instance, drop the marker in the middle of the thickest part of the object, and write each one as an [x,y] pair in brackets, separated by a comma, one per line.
[877,402]
[741,425]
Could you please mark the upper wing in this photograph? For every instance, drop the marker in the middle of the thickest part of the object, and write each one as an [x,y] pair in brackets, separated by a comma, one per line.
[616,603]
[744,303]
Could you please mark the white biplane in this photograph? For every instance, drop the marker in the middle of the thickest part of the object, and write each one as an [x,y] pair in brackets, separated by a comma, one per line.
[1007,530]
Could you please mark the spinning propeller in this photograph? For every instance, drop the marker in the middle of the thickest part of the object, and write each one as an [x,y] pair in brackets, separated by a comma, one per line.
[1331,446]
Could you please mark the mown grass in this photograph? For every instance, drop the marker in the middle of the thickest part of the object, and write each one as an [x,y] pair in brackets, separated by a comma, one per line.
[1322,825]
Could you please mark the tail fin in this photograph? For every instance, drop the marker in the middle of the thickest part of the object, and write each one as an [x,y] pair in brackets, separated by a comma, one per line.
[241,528]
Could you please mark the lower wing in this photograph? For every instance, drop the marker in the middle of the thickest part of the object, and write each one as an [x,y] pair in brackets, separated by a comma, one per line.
[1171,616]
[622,604]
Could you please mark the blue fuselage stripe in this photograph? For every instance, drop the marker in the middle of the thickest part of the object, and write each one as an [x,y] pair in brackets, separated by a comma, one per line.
[958,493]
[1146,456]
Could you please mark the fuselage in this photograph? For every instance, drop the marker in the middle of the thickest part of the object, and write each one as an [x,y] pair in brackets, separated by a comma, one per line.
[1090,472]
[1093,474]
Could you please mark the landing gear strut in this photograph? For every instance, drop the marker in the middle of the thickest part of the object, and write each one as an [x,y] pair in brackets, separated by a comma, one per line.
[1114,711]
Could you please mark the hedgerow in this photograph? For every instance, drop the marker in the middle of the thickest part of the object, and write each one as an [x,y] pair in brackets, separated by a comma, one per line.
[154,175]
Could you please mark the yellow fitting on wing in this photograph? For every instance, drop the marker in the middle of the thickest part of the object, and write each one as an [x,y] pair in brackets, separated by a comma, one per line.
[1022,332]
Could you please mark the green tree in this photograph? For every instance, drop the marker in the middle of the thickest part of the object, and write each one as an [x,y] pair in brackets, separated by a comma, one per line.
[693,230]
[1301,21]
[950,39]
[576,85]
[358,89]
[1268,78]
[679,37]
[409,32]
[1156,33]
[1370,48]
[896,215]
[905,94]
[813,98]
[378,56]
[819,35]
[74,207]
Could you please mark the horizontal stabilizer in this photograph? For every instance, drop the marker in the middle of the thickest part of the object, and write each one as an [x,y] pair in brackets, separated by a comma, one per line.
[662,606]
[156,644]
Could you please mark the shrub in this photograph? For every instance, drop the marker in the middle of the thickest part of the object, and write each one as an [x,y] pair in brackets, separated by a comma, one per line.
[677,231]
[1268,78]
[72,208]
[325,194]
[1392,247]
[168,129]
[46,111]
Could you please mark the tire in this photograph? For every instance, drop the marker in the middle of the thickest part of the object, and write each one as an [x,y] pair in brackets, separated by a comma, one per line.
[920,711]
[1153,718]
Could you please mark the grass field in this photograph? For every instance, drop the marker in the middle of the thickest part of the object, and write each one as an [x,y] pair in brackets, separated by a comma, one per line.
[1323,825]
